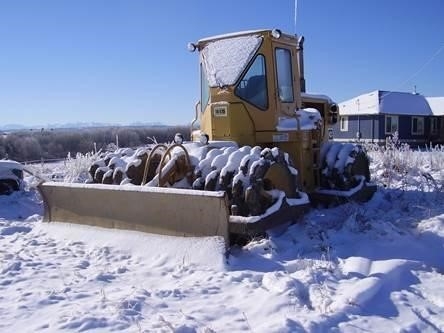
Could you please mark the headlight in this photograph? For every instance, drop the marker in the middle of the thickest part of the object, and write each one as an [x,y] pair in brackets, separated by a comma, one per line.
[276,33]
[178,138]
[204,138]
[191,47]
[334,108]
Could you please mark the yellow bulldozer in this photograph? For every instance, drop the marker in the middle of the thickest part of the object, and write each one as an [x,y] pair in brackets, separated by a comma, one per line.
[258,157]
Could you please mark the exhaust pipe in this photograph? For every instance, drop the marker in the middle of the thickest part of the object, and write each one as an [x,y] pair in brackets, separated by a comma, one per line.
[300,49]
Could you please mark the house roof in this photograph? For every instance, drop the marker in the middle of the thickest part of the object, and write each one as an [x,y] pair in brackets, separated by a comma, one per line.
[403,103]
[392,102]
[437,105]
[363,104]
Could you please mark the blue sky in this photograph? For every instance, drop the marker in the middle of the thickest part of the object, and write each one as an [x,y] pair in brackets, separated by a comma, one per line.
[120,61]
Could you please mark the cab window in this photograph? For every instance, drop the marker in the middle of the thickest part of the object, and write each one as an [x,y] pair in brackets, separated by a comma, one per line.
[253,85]
[284,75]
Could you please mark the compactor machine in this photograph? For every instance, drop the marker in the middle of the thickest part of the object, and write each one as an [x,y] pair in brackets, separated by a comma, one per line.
[258,157]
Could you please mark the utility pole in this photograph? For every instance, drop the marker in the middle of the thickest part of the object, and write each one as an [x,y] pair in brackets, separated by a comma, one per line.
[358,133]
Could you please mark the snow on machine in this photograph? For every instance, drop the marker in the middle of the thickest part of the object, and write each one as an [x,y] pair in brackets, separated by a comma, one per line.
[259,153]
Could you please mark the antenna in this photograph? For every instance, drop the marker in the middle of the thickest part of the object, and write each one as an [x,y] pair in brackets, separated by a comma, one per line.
[295,16]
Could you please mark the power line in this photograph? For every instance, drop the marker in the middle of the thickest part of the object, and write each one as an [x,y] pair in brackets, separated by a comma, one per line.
[423,66]
[440,49]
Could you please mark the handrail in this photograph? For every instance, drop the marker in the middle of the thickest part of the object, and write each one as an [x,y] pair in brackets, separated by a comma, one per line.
[196,117]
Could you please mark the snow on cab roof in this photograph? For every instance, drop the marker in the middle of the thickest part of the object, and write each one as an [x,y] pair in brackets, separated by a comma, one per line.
[232,34]
[387,102]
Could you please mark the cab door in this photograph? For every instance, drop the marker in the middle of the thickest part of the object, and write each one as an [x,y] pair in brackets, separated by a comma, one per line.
[287,84]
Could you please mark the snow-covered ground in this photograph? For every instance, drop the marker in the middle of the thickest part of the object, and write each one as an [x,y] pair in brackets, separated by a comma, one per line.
[373,267]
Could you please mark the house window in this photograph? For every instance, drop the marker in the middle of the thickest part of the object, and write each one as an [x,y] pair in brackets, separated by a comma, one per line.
[344,124]
[391,124]
[417,125]
[434,125]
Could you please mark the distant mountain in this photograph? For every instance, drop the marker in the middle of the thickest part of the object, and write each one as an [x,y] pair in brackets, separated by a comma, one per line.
[17,127]
[79,125]
[152,124]
[12,127]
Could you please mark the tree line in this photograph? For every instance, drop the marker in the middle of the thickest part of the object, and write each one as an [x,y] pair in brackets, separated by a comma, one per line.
[31,145]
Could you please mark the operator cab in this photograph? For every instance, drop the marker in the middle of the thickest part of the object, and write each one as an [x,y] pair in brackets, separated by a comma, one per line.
[253,93]
[251,85]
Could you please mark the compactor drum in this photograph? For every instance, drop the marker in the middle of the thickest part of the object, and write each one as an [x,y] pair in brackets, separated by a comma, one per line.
[259,153]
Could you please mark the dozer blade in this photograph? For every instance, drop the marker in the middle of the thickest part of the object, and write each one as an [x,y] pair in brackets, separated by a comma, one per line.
[165,211]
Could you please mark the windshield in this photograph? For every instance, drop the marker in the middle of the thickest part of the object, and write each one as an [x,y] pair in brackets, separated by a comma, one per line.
[224,60]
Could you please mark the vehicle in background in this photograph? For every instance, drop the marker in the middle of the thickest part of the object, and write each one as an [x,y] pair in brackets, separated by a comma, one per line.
[11,176]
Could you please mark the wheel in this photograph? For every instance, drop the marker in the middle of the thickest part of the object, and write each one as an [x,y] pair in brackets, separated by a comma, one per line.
[343,165]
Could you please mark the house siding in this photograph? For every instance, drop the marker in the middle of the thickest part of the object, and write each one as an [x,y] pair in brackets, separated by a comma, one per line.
[372,129]
[405,130]
[440,130]
[437,137]
[381,129]
[366,124]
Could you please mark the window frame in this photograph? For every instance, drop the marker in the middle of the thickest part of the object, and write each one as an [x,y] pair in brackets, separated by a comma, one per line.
[278,82]
[434,125]
[204,90]
[343,123]
[392,117]
[418,119]
[242,79]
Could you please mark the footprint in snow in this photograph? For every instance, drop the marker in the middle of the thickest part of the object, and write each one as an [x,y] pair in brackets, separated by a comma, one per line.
[87,323]
[81,295]
[131,307]
[105,277]
[12,269]
[122,270]
[52,299]
[211,291]
[164,293]
[76,243]
[5,282]
[84,264]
